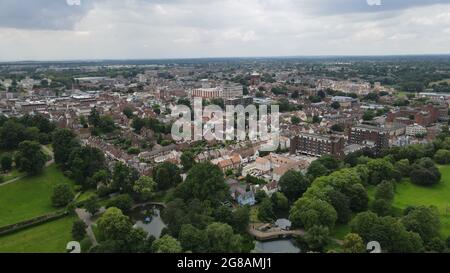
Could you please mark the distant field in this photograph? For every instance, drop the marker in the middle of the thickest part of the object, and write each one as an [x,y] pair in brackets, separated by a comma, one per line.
[50,237]
[438,82]
[30,196]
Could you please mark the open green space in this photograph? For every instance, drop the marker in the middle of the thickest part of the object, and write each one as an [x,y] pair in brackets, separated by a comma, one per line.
[29,197]
[51,237]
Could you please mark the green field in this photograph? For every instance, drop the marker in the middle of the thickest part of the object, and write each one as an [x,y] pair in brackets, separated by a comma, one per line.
[408,194]
[50,237]
[30,196]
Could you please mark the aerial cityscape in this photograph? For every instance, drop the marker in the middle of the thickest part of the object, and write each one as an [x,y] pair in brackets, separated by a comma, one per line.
[196,146]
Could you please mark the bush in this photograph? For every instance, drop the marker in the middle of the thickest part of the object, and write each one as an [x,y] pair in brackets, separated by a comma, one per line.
[78,230]
[122,202]
[62,195]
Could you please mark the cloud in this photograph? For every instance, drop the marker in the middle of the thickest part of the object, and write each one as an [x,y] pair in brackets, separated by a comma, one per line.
[43,14]
[100,29]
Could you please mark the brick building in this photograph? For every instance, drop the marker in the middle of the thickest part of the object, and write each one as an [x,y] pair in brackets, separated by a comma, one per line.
[317,145]
[372,135]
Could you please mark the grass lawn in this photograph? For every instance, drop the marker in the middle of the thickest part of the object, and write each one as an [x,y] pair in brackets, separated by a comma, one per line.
[30,196]
[51,237]
[408,194]
[11,175]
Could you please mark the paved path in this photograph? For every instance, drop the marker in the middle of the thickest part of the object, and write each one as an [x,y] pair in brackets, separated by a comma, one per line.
[87,219]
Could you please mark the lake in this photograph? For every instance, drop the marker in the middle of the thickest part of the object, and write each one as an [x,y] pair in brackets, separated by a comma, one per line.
[276,246]
[141,215]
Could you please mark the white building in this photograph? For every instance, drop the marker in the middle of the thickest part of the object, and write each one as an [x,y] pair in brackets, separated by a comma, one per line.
[416,129]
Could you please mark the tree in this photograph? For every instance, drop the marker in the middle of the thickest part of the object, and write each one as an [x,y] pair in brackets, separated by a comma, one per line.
[167,244]
[385,191]
[240,219]
[424,221]
[341,203]
[388,231]
[204,181]
[91,205]
[78,230]
[336,105]
[317,237]
[123,177]
[62,195]
[353,243]
[144,187]
[122,202]
[280,202]
[368,115]
[265,211]
[359,200]
[222,239]
[113,225]
[312,212]
[187,160]
[64,141]
[94,117]
[30,158]
[11,134]
[83,163]
[295,120]
[167,175]
[442,156]
[193,239]
[425,173]
[317,169]
[403,167]
[436,245]
[382,207]
[293,184]
[128,112]
[6,162]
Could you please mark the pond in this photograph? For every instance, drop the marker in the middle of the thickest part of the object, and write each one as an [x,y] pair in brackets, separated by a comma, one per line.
[276,246]
[149,219]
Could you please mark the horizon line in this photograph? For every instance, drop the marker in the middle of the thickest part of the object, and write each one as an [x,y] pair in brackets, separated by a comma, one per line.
[229,57]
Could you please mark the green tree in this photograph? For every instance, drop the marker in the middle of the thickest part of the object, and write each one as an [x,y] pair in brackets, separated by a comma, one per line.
[122,202]
[293,184]
[124,177]
[280,202]
[6,162]
[336,105]
[317,169]
[167,175]
[113,225]
[385,190]
[265,211]
[187,160]
[78,230]
[308,213]
[11,134]
[204,181]
[353,243]
[128,112]
[193,239]
[91,205]
[222,239]
[424,221]
[144,187]
[30,158]
[167,244]
[64,141]
[62,195]
[382,207]
[317,237]
[295,120]
[442,156]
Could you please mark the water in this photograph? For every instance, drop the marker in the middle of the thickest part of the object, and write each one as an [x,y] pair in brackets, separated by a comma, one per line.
[155,226]
[276,246]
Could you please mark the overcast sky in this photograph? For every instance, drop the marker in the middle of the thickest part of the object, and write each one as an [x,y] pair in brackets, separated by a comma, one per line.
[141,29]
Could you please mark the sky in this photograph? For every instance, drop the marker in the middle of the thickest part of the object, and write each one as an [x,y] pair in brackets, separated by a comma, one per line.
[157,29]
